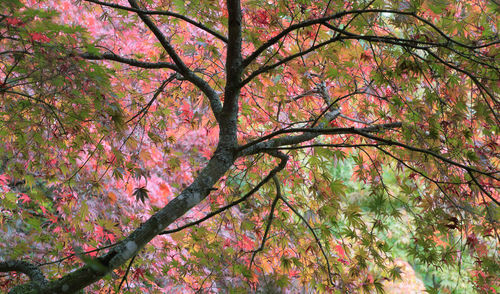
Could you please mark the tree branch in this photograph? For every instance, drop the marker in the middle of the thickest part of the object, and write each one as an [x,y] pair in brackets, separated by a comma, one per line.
[132,62]
[470,75]
[283,160]
[263,143]
[233,70]
[286,59]
[31,270]
[297,26]
[166,13]
[199,189]
[482,188]
[74,254]
[269,219]
[189,75]
[324,146]
[435,182]
[425,151]
[324,20]
[315,238]
[126,273]
[155,96]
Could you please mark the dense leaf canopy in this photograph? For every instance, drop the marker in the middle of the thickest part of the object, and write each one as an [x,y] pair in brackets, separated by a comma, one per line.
[226,146]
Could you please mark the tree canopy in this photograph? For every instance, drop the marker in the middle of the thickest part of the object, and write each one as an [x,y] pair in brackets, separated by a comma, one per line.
[235,146]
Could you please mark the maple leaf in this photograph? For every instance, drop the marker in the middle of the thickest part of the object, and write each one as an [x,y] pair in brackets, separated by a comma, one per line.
[4,179]
[111,237]
[261,17]
[14,21]
[99,231]
[38,37]
[340,250]
[25,198]
[246,243]
[141,194]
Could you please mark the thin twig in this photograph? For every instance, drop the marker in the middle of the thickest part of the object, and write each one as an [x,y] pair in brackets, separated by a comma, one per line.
[273,172]
[315,237]
[269,219]
[124,278]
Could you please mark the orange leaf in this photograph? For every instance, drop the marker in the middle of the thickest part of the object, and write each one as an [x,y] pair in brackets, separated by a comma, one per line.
[112,197]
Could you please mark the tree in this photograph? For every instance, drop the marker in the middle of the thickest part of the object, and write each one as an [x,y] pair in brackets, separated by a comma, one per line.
[193,142]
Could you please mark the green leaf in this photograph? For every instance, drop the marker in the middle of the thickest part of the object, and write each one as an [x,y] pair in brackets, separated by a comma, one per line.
[11,197]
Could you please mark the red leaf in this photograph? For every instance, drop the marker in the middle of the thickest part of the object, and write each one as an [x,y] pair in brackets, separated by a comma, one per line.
[15,22]
[261,17]
[246,243]
[39,38]
[340,251]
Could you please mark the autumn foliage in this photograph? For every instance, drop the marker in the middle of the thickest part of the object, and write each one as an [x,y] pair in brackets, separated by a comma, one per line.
[262,146]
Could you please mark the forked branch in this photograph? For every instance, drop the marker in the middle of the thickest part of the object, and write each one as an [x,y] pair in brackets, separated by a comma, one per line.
[283,160]
[166,13]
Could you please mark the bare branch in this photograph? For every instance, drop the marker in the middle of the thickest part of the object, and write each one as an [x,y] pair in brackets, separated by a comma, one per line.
[31,270]
[130,61]
[189,75]
[272,173]
[233,65]
[166,13]
[263,143]
[269,219]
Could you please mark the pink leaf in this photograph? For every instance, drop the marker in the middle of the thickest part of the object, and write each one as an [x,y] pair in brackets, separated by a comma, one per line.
[25,198]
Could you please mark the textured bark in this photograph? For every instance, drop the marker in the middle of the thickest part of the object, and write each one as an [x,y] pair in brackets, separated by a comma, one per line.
[130,246]
[38,281]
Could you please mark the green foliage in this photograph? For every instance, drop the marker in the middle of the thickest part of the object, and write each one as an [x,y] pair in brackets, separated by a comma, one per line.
[394,220]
